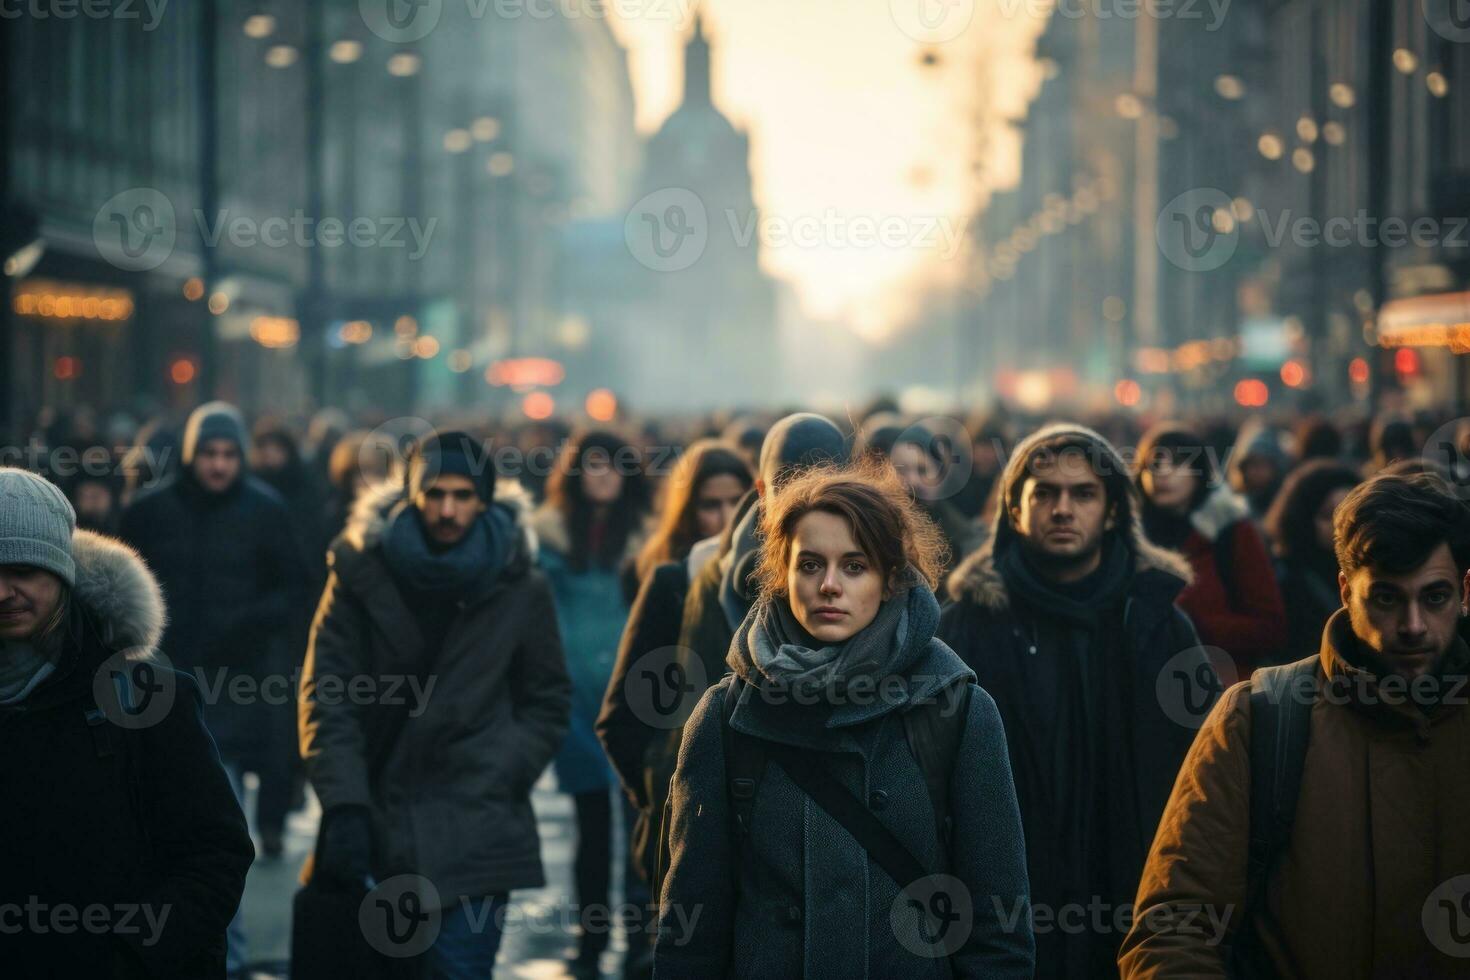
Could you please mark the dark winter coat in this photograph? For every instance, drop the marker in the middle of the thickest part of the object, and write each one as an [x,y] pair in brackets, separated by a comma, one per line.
[233,576]
[1372,884]
[995,633]
[804,899]
[633,735]
[449,795]
[99,816]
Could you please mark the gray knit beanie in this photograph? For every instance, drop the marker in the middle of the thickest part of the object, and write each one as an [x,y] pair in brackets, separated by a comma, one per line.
[212,420]
[36,524]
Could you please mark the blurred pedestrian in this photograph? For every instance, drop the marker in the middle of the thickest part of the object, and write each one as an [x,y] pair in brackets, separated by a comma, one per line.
[1067,616]
[770,874]
[220,542]
[1318,826]
[130,814]
[1390,440]
[1300,528]
[1233,600]
[95,497]
[590,529]
[434,602]
[701,495]
[917,457]
[1257,466]
[277,461]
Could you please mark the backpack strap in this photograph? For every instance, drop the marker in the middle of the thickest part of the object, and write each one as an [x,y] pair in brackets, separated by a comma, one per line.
[1280,729]
[934,730]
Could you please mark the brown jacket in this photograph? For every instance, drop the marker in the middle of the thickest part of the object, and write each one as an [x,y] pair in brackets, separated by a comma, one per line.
[1370,886]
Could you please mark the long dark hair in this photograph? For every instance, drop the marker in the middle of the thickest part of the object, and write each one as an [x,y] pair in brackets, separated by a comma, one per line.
[1186,448]
[1289,522]
[624,515]
[678,523]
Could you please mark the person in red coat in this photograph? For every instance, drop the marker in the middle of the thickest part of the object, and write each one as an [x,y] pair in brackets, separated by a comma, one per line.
[1234,600]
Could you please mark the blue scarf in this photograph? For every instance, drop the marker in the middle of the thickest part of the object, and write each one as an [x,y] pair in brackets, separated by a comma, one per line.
[467,570]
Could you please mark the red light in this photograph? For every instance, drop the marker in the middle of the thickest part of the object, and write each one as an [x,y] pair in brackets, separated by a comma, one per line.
[181,371]
[1252,393]
[526,372]
[1293,374]
[67,368]
[1406,360]
[1358,371]
[1127,392]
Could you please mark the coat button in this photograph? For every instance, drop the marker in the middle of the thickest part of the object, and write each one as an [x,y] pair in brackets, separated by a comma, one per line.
[793,914]
[878,799]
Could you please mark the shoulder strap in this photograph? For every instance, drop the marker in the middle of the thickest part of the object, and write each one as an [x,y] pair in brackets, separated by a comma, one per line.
[934,731]
[816,781]
[1281,727]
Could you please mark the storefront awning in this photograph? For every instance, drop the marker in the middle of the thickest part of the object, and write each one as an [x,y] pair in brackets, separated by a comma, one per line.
[1438,320]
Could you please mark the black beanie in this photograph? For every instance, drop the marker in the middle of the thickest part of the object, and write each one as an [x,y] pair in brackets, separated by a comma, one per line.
[803,439]
[450,452]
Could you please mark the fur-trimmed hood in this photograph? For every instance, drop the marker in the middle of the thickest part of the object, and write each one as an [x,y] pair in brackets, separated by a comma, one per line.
[369,516]
[979,580]
[119,594]
[1222,509]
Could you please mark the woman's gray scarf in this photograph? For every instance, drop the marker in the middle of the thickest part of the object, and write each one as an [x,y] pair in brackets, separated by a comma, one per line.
[778,644]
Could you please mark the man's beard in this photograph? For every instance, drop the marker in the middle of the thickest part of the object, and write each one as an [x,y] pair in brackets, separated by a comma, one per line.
[1050,563]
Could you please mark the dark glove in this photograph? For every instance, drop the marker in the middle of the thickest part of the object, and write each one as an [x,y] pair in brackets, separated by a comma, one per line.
[345,850]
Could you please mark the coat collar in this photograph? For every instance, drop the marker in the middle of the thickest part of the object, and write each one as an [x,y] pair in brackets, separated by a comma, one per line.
[978,580]
[1351,679]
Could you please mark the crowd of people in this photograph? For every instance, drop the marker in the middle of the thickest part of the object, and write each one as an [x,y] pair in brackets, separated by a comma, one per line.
[871,696]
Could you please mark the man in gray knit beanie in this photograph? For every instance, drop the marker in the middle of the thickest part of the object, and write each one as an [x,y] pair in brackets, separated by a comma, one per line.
[36,524]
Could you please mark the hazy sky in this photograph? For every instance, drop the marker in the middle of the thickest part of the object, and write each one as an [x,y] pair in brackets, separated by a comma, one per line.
[852,139]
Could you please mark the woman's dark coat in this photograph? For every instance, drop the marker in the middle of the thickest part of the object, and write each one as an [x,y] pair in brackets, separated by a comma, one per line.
[805,900]
[97,816]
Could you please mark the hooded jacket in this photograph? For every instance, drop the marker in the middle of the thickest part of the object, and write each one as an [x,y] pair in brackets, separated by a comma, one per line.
[135,824]
[232,571]
[1373,881]
[804,899]
[445,748]
[1144,642]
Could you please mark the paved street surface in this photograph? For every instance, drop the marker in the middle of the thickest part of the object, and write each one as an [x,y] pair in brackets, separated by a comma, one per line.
[535,950]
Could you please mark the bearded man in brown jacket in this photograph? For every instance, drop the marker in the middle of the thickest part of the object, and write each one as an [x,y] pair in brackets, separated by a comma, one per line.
[1371,876]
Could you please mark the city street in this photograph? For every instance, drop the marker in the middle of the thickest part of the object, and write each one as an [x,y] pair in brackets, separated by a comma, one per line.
[529,953]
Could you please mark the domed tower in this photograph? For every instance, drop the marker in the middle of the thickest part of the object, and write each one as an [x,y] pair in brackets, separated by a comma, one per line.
[713,319]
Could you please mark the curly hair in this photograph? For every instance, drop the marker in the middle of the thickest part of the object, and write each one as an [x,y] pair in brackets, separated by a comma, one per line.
[889,526]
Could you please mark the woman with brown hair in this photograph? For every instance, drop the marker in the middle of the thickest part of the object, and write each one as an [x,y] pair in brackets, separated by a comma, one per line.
[702,493]
[843,803]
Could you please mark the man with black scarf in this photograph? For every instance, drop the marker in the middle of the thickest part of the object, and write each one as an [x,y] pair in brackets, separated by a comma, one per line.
[1066,614]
